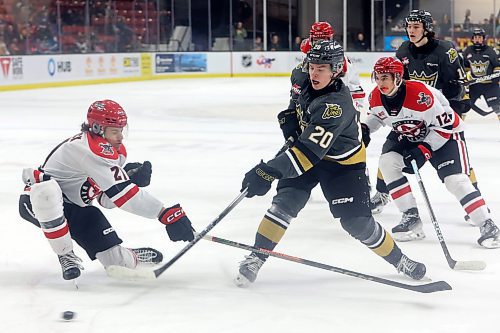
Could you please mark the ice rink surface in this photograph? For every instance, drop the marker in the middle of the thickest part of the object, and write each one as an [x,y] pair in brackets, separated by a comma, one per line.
[201,137]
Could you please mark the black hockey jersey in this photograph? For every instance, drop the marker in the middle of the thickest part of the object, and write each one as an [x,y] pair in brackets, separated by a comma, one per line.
[436,63]
[481,61]
[330,130]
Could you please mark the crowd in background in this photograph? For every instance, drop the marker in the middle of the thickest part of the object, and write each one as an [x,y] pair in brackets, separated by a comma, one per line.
[41,27]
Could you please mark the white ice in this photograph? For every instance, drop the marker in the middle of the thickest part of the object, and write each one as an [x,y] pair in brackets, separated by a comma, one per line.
[201,136]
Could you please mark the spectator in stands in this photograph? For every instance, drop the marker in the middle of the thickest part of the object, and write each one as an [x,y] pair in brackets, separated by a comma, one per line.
[257,45]
[467,22]
[124,35]
[360,43]
[275,44]
[3,46]
[239,36]
[445,26]
[296,43]
[81,44]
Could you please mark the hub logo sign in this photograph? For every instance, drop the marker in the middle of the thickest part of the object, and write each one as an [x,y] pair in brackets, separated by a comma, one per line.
[54,66]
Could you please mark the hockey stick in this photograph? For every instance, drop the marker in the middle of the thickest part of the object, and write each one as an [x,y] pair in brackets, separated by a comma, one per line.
[482,79]
[480,111]
[121,272]
[423,288]
[473,265]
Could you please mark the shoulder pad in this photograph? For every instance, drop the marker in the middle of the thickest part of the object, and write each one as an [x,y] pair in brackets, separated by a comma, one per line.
[102,148]
[375,98]
[418,96]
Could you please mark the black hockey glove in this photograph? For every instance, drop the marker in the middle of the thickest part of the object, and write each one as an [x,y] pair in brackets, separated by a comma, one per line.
[365,132]
[289,124]
[177,223]
[139,173]
[420,154]
[259,179]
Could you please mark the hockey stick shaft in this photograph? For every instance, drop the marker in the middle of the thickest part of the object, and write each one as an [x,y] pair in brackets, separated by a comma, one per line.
[472,265]
[424,288]
[201,234]
[483,78]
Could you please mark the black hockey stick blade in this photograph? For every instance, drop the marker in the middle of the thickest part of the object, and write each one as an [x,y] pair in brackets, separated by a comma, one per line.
[125,273]
[480,111]
[474,265]
[422,288]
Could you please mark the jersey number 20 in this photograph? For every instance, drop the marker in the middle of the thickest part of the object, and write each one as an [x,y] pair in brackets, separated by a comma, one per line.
[321,137]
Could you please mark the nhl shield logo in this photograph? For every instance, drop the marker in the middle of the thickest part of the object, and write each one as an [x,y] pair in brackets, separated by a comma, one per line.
[332,111]
[246,60]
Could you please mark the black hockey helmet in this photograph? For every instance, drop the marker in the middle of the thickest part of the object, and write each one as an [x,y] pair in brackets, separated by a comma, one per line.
[479,32]
[327,52]
[418,15]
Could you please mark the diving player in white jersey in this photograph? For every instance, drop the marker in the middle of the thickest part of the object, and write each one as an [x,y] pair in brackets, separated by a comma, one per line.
[424,127]
[91,165]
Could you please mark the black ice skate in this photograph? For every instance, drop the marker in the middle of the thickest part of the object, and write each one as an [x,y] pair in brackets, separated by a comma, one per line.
[70,264]
[248,270]
[147,256]
[409,228]
[378,201]
[410,268]
[490,235]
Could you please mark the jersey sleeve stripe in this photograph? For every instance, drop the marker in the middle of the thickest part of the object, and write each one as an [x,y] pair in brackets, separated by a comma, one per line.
[130,192]
[294,163]
[301,158]
[122,192]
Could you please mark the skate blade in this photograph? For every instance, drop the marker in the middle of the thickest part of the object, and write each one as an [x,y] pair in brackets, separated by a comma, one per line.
[241,281]
[491,243]
[408,236]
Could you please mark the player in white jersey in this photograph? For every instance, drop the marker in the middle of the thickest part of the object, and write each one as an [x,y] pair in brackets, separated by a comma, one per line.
[59,195]
[424,127]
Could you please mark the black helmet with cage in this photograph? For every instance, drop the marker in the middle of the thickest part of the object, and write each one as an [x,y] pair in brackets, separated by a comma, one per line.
[327,52]
[425,17]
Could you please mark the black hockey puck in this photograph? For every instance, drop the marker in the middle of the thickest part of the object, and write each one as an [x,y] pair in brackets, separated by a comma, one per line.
[68,315]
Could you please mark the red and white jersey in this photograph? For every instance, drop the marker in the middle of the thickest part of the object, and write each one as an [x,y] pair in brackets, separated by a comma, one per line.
[87,167]
[351,80]
[425,115]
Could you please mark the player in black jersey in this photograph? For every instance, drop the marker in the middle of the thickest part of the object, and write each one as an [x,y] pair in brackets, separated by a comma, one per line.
[481,60]
[328,152]
[434,62]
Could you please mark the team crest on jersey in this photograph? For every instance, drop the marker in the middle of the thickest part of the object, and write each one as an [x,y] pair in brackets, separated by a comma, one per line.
[107,149]
[415,130]
[479,68]
[332,111]
[427,79]
[452,54]
[89,191]
[424,99]
[405,61]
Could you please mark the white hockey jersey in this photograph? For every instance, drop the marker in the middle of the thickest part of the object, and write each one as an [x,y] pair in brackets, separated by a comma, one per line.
[87,167]
[425,116]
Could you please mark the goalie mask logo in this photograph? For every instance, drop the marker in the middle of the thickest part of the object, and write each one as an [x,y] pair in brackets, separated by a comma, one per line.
[332,111]
[415,130]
